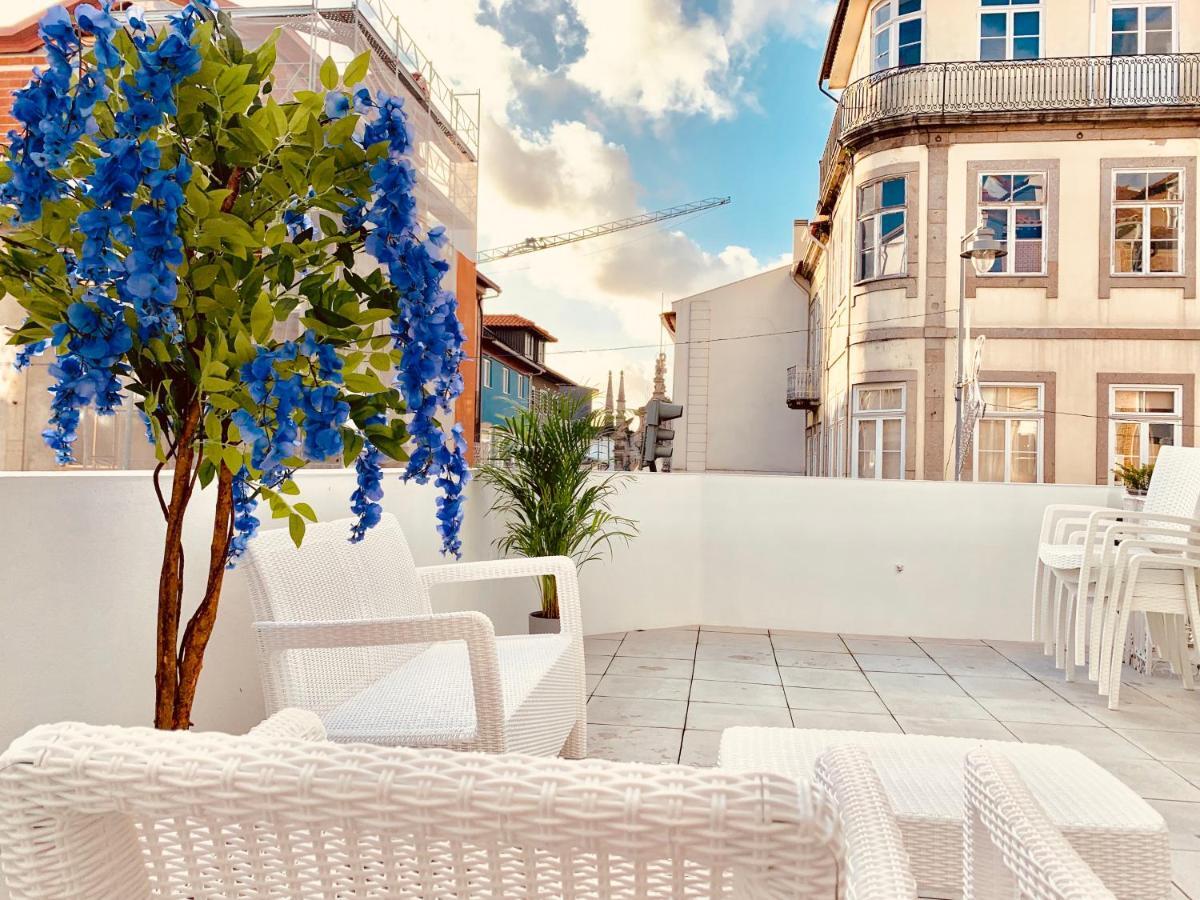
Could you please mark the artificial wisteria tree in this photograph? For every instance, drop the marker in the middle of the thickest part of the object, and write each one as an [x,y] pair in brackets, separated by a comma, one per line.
[167,216]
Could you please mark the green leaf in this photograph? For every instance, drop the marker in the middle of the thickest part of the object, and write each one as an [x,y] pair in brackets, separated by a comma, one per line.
[204,276]
[305,510]
[296,529]
[212,426]
[323,175]
[206,473]
[262,318]
[339,132]
[329,78]
[213,383]
[357,70]
[221,401]
[381,362]
[364,382]
[231,77]
[232,457]
[352,443]
[289,487]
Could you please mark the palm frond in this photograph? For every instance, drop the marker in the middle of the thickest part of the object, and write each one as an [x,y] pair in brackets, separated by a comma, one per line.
[544,486]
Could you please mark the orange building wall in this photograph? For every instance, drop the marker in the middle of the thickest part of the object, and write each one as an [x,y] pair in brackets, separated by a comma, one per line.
[466,408]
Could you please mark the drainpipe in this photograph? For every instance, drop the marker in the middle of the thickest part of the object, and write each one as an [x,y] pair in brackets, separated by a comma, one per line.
[1092,29]
[851,258]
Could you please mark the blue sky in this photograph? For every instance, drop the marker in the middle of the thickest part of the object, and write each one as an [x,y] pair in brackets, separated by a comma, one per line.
[766,160]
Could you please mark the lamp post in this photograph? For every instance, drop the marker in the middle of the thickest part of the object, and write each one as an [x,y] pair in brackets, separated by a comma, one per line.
[982,249]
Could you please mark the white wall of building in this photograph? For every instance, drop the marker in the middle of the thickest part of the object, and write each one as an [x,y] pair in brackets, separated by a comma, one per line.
[80,555]
[733,345]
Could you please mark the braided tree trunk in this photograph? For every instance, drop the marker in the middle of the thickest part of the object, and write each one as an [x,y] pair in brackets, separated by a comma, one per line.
[179,661]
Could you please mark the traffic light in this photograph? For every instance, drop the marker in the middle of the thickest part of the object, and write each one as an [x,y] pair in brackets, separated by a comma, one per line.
[656,442]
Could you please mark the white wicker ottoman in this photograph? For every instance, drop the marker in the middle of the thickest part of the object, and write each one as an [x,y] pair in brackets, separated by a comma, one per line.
[1116,832]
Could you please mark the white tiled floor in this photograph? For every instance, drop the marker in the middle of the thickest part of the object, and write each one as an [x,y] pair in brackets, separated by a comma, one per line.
[665,695]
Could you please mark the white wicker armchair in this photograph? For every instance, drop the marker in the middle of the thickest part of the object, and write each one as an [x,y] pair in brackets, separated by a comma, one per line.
[1011,849]
[109,813]
[346,631]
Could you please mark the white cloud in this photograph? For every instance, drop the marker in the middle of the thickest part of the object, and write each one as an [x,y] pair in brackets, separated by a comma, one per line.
[646,56]
[641,58]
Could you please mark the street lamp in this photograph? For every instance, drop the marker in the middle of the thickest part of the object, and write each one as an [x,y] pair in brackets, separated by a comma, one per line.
[983,249]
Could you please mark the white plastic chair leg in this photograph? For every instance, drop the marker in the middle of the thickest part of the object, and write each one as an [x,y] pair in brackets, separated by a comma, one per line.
[1062,621]
[1117,659]
[1192,598]
[1105,648]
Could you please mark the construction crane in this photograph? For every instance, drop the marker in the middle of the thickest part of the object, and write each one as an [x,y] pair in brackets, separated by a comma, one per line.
[533,244]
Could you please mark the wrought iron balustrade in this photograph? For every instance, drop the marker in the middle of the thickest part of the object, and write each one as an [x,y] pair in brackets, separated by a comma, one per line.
[803,387]
[954,89]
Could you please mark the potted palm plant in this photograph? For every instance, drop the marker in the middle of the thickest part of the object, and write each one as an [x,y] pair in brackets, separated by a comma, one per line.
[553,503]
[1136,479]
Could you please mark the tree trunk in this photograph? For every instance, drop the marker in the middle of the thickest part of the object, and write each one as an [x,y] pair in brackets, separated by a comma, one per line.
[200,626]
[170,580]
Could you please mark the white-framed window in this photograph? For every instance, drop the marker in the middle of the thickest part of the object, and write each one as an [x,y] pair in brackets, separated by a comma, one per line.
[1010,29]
[1141,420]
[1013,205]
[1147,222]
[878,432]
[1139,27]
[897,34]
[506,379]
[523,387]
[487,373]
[1008,443]
[882,231]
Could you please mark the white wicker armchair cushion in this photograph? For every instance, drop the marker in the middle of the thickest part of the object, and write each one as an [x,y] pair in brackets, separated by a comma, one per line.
[429,701]
[1010,846]
[329,579]
[106,812]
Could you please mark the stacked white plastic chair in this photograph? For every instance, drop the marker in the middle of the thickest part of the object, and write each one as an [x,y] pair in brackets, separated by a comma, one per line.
[1080,559]
[130,813]
[1010,847]
[347,631]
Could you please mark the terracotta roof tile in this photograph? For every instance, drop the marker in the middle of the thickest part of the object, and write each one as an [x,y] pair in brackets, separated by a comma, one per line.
[510,320]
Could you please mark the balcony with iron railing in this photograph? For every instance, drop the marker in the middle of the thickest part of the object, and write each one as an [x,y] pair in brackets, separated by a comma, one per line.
[1078,88]
[803,387]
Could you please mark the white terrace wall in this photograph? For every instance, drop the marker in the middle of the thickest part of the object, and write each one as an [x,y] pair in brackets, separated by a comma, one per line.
[79,556]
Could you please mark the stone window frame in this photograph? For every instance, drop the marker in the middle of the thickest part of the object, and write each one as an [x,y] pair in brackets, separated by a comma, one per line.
[1049,383]
[912,233]
[1187,246]
[907,377]
[1104,383]
[1050,228]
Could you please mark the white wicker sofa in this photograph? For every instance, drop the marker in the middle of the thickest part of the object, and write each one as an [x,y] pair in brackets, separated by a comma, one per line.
[108,813]
[1121,837]
[347,631]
